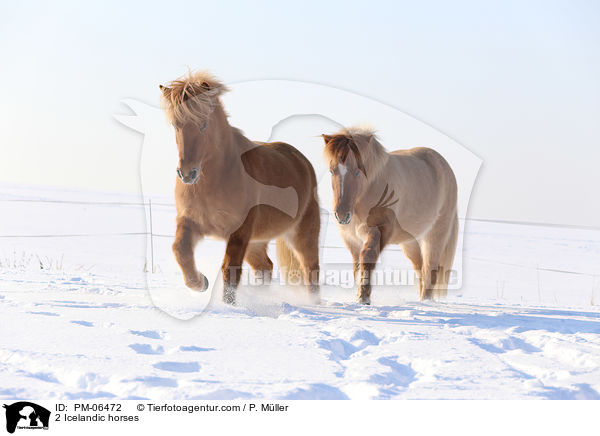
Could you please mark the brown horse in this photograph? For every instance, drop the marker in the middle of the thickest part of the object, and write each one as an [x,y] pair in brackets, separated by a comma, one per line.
[405,197]
[244,192]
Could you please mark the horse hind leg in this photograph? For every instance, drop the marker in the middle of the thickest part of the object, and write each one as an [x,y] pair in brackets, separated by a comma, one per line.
[435,246]
[256,256]
[305,244]
[431,250]
[429,271]
[413,252]
[447,260]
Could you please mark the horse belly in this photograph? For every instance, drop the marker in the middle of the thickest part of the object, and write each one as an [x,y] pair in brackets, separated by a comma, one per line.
[271,223]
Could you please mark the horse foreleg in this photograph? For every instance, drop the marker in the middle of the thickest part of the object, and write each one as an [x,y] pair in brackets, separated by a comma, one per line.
[232,265]
[368,259]
[183,249]
[354,249]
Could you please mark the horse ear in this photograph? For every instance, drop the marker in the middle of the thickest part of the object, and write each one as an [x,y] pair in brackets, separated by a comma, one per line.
[165,90]
[327,138]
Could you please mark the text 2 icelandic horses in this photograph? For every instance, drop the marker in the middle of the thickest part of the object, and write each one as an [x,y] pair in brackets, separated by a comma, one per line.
[244,192]
[405,197]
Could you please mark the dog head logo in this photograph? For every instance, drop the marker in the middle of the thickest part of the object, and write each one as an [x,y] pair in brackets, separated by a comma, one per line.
[26,415]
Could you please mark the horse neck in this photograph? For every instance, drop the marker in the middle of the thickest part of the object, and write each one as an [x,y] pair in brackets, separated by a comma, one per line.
[377,179]
[227,144]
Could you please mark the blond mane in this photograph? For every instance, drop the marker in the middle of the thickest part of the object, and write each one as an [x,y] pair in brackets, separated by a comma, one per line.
[191,98]
[363,142]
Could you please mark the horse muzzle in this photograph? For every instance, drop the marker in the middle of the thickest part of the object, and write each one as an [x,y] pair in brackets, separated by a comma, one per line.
[345,220]
[191,177]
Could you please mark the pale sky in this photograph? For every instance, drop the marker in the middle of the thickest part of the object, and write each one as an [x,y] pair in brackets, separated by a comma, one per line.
[517,83]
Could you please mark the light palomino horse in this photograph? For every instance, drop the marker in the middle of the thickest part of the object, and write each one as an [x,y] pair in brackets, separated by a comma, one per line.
[405,197]
[244,192]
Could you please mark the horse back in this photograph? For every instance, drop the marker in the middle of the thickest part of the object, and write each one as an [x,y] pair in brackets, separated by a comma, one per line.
[430,174]
[279,164]
[435,161]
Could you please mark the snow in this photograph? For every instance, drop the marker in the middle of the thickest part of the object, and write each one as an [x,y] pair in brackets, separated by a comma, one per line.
[78,321]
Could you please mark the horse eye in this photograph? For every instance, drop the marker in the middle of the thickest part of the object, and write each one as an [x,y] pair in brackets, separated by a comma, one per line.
[356,173]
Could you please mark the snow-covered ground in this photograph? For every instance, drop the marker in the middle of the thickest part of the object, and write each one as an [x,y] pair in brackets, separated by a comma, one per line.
[78,320]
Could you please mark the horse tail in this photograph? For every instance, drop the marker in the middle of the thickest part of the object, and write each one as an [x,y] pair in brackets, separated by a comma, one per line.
[450,250]
[288,263]
[448,253]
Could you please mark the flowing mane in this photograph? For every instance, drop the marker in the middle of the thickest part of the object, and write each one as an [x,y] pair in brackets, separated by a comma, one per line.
[370,155]
[191,98]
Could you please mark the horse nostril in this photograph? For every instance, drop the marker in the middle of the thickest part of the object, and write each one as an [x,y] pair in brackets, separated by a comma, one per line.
[346,220]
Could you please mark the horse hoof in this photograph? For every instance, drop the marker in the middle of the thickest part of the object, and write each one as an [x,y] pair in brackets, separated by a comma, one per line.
[229,298]
[199,285]
[230,301]
[366,301]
